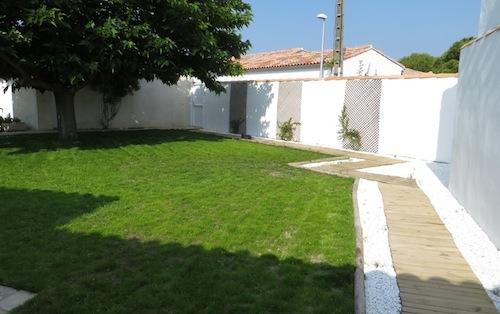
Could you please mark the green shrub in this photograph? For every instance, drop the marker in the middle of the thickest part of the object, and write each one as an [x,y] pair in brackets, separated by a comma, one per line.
[287,129]
[351,138]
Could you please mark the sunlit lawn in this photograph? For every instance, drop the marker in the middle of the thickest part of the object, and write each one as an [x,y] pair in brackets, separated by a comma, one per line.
[171,222]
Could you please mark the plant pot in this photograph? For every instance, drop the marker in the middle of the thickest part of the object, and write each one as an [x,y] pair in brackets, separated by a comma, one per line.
[14,127]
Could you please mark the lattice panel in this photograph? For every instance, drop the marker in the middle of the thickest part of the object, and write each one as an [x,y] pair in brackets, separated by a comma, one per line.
[362,99]
[289,102]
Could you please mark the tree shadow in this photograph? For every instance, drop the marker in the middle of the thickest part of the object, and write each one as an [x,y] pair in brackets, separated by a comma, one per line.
[260,98]
[75,272]
[31,143]
[446,125]
[427,294]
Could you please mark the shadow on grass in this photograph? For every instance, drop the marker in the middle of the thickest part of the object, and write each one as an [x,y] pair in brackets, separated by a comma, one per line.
[31,143]
[91,273]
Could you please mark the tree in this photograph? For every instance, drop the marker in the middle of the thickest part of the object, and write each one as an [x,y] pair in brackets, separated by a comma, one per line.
[423,62]
[64,46]
[448,62]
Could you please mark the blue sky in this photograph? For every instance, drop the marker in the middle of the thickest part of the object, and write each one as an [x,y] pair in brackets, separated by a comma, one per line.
[398,27]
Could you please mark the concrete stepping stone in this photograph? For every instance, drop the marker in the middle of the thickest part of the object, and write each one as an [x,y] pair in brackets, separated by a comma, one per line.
[11,298]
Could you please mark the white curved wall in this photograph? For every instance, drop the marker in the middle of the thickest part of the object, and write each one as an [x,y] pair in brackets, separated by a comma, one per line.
[490,15]
[475,170]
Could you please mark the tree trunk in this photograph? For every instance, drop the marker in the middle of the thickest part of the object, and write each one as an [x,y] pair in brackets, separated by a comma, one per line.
[66,120]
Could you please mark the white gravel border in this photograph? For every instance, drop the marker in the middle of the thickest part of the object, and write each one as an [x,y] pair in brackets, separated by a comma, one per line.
[473,243]
[331,163]
[381,288]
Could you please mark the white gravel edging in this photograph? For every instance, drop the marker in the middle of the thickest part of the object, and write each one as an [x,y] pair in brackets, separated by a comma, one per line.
[381,288]
[331,163]
[477,249]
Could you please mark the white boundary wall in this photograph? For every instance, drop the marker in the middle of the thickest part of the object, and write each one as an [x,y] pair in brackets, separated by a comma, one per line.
[214,108]
[154,105]
[322,102]
[6,101]
[262,109]
[475,171]
[417,117]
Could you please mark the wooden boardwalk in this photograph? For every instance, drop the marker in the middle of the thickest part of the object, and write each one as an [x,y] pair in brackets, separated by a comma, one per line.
[432,274]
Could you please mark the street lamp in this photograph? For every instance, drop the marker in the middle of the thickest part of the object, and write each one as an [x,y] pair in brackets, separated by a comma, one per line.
[323,18]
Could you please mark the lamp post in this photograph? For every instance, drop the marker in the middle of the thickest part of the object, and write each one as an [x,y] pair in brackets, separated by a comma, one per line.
[323,18]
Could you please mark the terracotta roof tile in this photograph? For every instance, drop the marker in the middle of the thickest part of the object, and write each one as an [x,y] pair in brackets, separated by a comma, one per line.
[293,57]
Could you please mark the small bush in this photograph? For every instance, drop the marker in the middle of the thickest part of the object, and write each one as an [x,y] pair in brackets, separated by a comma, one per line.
[287,129]
[8,119]
[351,138]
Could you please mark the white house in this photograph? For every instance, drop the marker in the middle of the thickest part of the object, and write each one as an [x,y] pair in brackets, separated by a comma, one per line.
[298,63]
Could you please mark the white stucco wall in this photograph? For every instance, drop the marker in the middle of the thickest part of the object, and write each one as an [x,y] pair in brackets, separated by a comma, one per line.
[5,100]
[154,105]
[25,107]
[417,118]
[322,102]
[490,15]
[475,171]
[262,109]
[214,108]
[371,63]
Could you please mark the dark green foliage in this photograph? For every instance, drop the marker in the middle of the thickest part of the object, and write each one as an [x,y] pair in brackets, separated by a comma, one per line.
[423,62]
[446,63]
[172,222]
[70,44]
[351,138]
[287,129]
[66,45]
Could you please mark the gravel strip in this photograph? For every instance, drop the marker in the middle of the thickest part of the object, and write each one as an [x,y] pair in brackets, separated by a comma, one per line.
[381,288]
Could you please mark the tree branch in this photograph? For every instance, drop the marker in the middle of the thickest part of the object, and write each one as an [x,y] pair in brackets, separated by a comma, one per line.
[24,76]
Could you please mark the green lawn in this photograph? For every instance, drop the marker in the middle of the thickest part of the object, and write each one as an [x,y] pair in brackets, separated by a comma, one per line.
[171,222]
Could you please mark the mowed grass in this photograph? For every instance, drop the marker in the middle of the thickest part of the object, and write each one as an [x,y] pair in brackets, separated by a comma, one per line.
[172,222]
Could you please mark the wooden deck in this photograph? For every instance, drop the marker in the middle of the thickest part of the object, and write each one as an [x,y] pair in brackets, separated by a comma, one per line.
[432,274]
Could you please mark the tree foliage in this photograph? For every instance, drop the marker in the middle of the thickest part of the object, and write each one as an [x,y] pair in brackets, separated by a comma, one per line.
[423,62]
[448,62]
[66,45]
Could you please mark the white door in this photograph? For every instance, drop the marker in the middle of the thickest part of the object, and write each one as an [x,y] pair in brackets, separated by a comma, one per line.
[197,120]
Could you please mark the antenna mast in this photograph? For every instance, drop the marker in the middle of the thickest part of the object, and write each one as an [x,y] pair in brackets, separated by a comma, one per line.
[338,54]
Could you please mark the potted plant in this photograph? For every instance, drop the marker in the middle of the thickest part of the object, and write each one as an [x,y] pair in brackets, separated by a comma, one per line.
[10,124]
